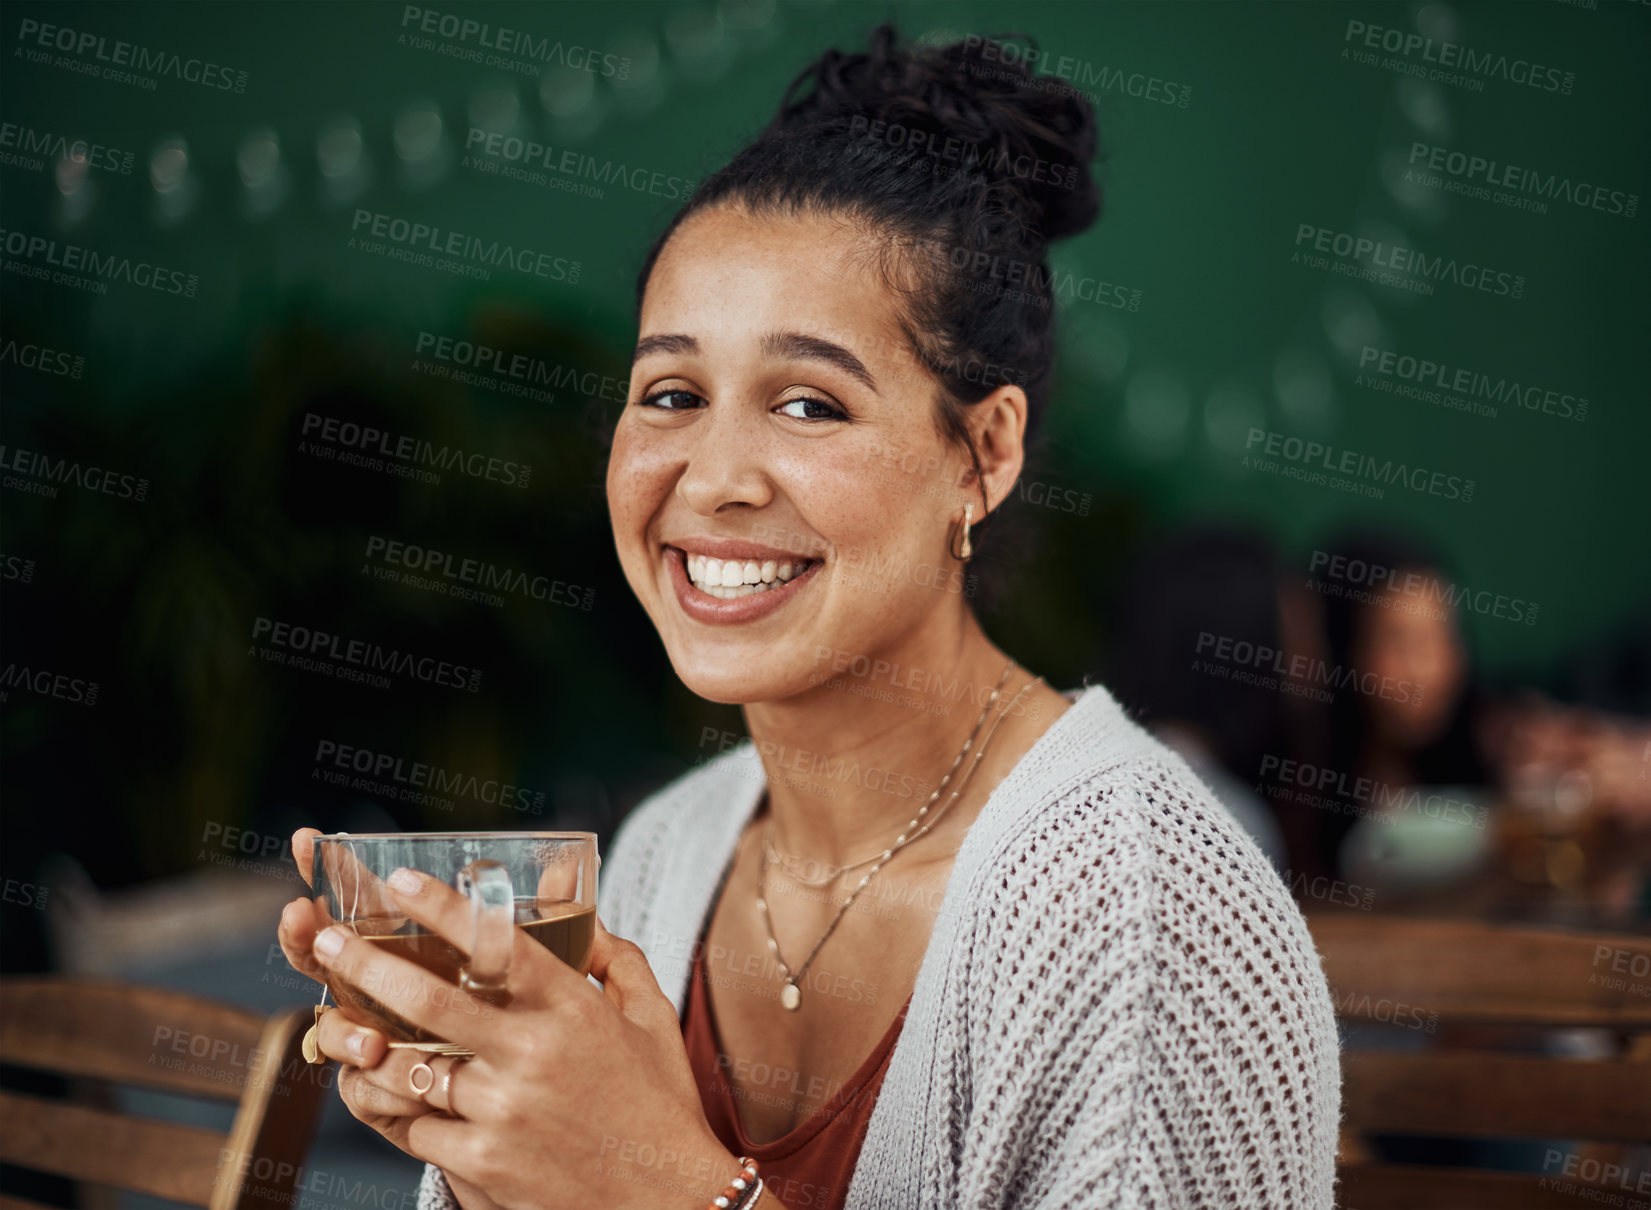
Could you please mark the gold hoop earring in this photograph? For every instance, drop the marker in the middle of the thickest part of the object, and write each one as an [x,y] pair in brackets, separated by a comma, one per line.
[967,550]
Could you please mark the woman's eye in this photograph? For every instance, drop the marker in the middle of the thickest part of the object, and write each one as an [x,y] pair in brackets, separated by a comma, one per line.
[670,401]
[812,409]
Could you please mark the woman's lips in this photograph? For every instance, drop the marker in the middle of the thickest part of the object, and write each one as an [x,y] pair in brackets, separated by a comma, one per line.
[702,607]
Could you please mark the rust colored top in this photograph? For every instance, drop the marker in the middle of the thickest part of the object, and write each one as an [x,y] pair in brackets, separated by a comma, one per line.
[807,1168]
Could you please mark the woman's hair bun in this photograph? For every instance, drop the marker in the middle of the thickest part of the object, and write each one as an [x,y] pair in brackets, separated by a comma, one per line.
[971,105]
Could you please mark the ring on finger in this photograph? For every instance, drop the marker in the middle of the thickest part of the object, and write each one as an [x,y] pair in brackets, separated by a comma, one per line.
[429,1082]
[444,1102]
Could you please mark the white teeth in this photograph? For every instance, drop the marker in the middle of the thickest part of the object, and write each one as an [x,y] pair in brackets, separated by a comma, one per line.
[729,594]
[730,578]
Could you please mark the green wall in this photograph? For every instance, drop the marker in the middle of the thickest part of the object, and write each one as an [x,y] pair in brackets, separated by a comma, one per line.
[1222,331]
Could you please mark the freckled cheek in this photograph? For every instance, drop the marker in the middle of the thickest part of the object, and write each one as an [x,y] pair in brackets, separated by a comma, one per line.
[848,499]
[639,482]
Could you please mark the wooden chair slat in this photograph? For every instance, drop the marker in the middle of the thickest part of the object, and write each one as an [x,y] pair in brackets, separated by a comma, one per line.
[99,1033]
[271,1133]
[1475,1094]
[8,1202]
[1406,971]
[1414,1187]
[144,1036]
[90,1144]
[1467,971]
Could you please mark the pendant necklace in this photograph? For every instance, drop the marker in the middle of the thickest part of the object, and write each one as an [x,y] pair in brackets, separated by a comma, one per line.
[791,996]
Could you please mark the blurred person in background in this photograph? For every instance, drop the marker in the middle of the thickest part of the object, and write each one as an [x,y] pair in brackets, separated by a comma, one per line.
[1215,581]
[1390,621]
[1554,795]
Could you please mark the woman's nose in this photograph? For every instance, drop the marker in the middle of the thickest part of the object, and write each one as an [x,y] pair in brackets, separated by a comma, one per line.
[726,463]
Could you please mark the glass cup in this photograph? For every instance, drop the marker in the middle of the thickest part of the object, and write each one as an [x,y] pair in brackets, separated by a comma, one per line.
[541,882]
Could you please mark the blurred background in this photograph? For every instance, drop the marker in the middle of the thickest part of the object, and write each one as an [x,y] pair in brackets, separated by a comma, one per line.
[242,401]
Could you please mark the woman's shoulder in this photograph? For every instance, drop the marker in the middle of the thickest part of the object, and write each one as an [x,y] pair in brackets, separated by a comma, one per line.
[701,802]
[1125,938]
[1117,838]
[734,774]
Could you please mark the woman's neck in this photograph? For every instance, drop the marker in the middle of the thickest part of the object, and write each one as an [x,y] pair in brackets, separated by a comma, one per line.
[850,762]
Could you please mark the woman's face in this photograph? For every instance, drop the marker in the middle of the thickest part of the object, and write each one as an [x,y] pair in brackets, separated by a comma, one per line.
[777,425]
[1422,648]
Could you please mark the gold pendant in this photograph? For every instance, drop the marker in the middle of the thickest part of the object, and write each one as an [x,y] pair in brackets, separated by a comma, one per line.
[791,997]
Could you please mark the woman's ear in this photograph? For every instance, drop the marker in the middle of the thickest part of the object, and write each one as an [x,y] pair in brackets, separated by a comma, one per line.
[999,423]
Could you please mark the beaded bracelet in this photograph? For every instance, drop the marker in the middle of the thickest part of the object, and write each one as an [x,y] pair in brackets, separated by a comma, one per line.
[733,1197]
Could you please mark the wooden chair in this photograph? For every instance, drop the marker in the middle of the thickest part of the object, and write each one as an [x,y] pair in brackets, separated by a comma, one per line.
[120,1033]
[1437,974]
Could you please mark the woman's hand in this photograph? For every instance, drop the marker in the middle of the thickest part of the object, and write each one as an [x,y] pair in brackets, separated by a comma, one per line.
[359,1048]
[302,918]
[576,1095]
[355,1046]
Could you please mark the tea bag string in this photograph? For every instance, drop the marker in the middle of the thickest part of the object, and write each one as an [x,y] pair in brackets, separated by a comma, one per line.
[355,894]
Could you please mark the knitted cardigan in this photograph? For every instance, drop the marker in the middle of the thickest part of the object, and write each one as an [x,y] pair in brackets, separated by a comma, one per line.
[1120,1005]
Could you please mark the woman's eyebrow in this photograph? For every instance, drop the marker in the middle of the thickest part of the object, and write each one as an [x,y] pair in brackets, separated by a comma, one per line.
[790,346]
[800,346]
[666,342]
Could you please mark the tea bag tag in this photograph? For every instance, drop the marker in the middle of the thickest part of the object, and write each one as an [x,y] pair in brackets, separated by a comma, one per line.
[312,1044]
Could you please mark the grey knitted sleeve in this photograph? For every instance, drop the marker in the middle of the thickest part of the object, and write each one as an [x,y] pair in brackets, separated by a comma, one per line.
[1148,1024]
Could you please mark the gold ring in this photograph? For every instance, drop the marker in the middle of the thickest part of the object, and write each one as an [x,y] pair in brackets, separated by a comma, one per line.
[492,991]
[412,1078]
[469,983]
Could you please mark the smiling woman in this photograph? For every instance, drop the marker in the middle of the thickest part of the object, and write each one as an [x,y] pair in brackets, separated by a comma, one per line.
[964,940]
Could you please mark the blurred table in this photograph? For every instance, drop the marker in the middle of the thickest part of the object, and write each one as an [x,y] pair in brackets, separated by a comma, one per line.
[1595,874]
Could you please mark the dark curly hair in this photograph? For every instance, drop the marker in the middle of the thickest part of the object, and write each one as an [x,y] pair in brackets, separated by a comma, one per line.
[967,165]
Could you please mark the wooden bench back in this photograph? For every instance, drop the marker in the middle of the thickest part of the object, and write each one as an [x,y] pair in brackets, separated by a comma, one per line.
[1424,975]
[118,1033]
